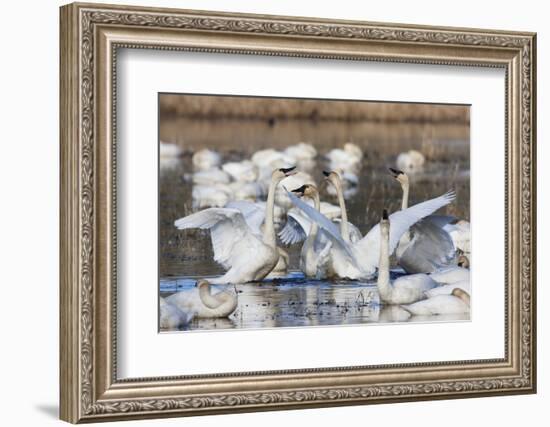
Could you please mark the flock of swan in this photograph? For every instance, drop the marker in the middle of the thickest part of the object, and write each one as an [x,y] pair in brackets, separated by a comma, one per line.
[247,233]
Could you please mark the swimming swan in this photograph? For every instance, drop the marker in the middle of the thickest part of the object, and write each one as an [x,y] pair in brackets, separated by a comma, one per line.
[315,250]
[203,302]
[458,302]
[451,275]
[246,254]
[405,289]
[171,317]
[448,289]
[359,260]
[426,246]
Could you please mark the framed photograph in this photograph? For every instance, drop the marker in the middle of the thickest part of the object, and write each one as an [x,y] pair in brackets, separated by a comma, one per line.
[266,212]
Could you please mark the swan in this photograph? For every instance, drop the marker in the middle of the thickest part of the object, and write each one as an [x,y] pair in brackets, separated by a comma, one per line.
[426,247]
[206,159]
[246,254]
[463,261]
[249,191]
[411,161]
[315,250]
[168,150]
[294,181]
[347,159]
[254,216]
[460,233]
[349,184]
[451,275]
[206,196]
[301,151]
[171,317]
[244,171]
[210,177]
[358,260]
[448,289]
[169,156]
[346,228]
[405,289]
[203,302]
[458,302]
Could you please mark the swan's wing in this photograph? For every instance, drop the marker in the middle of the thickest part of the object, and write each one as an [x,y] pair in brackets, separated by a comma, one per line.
[432,243]
[354,233]
[401,221]
[295,230]
[253,213]
[441,220]
[326,224]
[228,232]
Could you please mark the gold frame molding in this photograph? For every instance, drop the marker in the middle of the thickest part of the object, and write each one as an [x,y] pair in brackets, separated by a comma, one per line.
[90,37]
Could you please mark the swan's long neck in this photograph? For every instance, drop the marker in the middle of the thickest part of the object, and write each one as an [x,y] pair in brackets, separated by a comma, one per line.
[269,229]
[315,226]
[207,298]
[384,285]
[405,201]
[344,229]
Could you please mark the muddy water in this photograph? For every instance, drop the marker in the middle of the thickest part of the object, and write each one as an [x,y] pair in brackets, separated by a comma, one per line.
[186,255]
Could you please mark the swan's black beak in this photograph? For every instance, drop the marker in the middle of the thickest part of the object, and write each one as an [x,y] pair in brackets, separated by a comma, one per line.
[385,214]
[288,171]
[327,174]
[300,191]
[395,172]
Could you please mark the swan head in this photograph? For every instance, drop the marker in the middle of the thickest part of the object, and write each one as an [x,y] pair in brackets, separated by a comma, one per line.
[280,174]
[333,177]
[306,190]
[385,223]
[463,261]
[399,176]
[202,283]
[462,294]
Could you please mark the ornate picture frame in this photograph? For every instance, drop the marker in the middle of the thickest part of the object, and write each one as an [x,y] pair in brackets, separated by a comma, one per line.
[90,37]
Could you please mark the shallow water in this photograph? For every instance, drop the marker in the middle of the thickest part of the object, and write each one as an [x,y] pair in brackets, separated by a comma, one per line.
[294,301]
[187,255]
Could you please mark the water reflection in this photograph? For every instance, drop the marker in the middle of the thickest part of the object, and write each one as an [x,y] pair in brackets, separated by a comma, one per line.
[295,301]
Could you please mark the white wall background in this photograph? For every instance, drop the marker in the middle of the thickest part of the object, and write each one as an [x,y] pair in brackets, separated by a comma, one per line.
[29,170]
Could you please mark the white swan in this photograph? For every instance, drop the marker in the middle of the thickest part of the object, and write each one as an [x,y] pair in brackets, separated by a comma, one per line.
[210,177]
[247,255]
[405,289]
[358,260]
[460,233]
[451,275]
[168,150]
[426,246]
[448,289]
[348,231]
[411,161]
[349,184]
[254,216]
[458,302]
[206,159]
[203,302]
[347,159]
[463,261]
[294,181]
[301,151]
[314,255]
[171,317]
[207,196]
[244,171]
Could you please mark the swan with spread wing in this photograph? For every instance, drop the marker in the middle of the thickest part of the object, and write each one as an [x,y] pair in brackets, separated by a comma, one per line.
[426,246]
[359,260]
[246,253]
